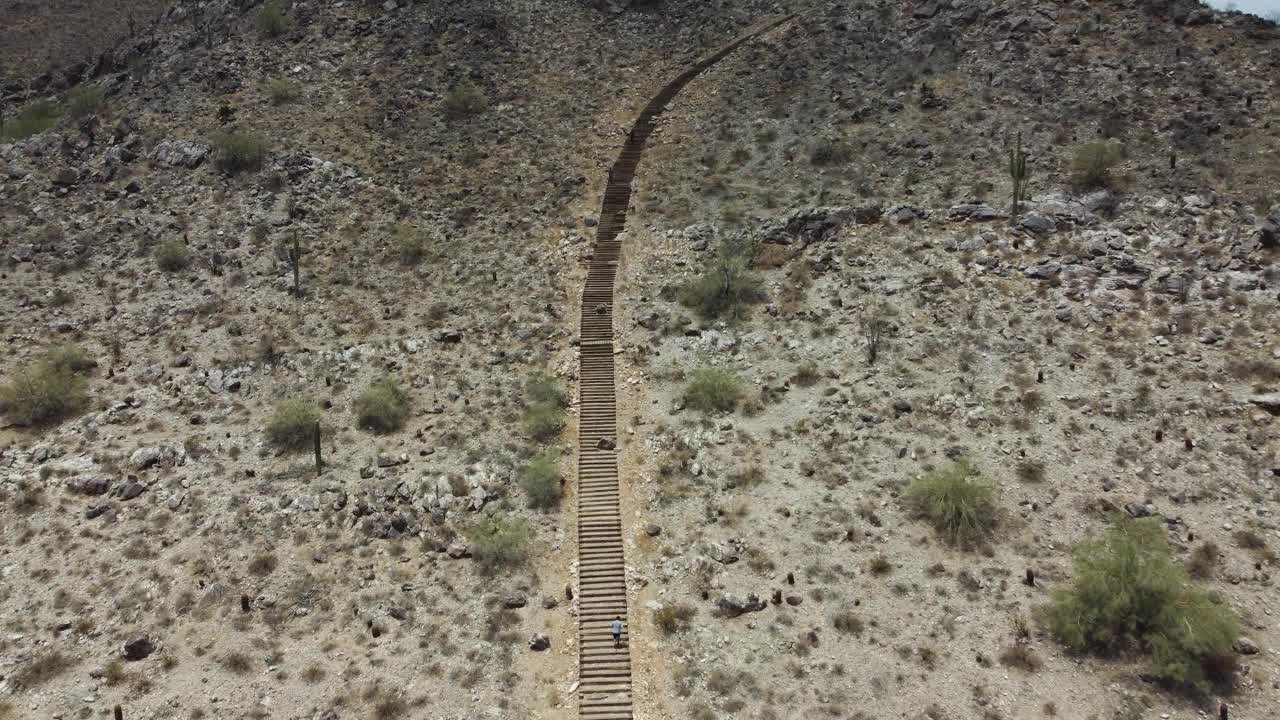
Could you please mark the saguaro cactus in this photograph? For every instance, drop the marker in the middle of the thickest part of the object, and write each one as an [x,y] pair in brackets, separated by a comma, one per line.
[295,259]
[1018,174]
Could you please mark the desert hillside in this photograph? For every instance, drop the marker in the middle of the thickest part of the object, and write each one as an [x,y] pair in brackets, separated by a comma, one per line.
[946,336]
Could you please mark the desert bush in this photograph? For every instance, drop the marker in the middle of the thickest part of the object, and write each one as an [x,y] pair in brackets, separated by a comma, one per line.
[48,390]
[236,151]
[1022,657]
[1129,594]
[84,100]
[282,91]
[33,120]
[40,669]
[411,246]
[674,618]
[499,543]
[291,427]
[713,390]
[540,480]
[727,286]
[1091,163]
[382,407]
[848,623]
[543,420]
[961,507]
[542,387]
[172,255]
[464,100]
[829,152]
[271,21]
[1204,561]
[807,375]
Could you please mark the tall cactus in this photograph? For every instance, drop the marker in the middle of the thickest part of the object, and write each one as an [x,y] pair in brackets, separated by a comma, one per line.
[1018,173]
[295,259]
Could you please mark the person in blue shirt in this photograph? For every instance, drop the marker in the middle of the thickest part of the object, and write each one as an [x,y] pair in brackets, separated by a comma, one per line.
[616,626]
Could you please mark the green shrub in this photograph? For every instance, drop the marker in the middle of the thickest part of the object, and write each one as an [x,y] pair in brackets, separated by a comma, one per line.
[1091,163]
[500,543]
[172,255]
[238,150]
[727,286]
[410,244]
[271,21]
[382,407]
[84,100]
[829,152]
[33,120]
[291,427]
[543,420]
[713,390]
[674,618]
[1129,594]
[463,101]
[960,507]
[540,480]
[48,390]
[282,91]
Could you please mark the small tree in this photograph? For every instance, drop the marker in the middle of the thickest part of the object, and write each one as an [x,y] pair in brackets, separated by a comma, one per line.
[1130,594]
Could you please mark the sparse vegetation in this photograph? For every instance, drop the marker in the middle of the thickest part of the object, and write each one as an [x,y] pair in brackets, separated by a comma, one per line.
[848,623]
[1022,657]
[172,255]
[237,151]
[49,390]
[33,120]
[282,91]
[40,669]
[497,543]
[544,411]
[829,152]
[540,480]
[411,246]
[291,427]
[464,100]
[382,407]
[1204,561]
[1129,595]
[713,390]
[84,100]
[674,617]
[961,507]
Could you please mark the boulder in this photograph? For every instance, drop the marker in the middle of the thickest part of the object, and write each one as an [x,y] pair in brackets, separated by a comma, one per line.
[1267,401]
[88,485]
[137,648]
[733,605]
[539,642]
[1245,646]
[513,600]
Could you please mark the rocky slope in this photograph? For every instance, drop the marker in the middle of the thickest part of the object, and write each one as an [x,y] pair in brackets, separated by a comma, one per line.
[437,164]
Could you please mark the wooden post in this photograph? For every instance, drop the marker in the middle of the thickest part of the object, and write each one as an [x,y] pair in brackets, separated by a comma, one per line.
[295,256]
[319,461]
[118,712]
